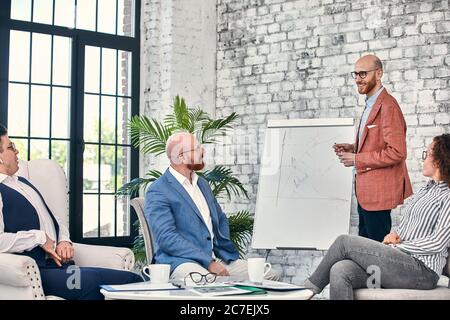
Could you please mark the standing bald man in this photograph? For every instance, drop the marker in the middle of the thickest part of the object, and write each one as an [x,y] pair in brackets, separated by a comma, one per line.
[190,229]
[379,153]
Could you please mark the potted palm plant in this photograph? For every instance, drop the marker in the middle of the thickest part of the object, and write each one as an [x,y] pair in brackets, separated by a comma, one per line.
[150,135]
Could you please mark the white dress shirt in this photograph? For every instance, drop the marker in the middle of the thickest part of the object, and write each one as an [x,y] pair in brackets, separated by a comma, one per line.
[197,196]
[28,240]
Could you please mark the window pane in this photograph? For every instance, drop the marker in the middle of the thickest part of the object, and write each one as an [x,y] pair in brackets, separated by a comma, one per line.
[90,168]
[124,78]
[40,111]
[108,169]
[62,53]
[65,13]
[107,16]
[39,149]
[41,56]
[92,69]
[21,10]
[60,153]
[60,113]
[109,66]
[123,217]
[125,19]
[123,118]
[18,109]
[107,215]
[22,146]
[90,216]
[123,166]
[43,11]
[86,13]
[108,128]
[91,118]
[19,56]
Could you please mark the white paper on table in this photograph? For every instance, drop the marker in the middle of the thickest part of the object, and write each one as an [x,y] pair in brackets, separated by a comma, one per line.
[269,285]
[219,291]
[140,286]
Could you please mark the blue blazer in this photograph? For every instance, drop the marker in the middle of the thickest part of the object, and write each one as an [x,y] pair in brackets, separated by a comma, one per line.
[180,234]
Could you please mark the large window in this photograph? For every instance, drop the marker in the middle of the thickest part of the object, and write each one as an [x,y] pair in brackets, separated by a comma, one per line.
[70,86]
[39,90]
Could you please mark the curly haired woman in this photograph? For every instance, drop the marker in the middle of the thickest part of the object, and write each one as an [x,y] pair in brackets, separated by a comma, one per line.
[413,255]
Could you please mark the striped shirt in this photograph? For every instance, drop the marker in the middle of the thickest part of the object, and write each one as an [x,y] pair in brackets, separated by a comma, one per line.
[425,228]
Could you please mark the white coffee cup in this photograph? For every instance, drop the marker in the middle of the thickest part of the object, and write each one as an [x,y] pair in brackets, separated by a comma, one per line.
[158,273]
[257,269]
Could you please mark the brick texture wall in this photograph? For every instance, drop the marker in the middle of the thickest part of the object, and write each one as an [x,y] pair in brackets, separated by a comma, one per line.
[178,57]
[292,59]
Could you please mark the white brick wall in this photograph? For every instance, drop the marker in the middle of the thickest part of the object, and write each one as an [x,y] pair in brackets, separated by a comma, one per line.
[178,56]
[318,43]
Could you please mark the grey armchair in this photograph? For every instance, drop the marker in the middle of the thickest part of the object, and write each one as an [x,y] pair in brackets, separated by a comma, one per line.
[442,292]
[19,275]
[138,205]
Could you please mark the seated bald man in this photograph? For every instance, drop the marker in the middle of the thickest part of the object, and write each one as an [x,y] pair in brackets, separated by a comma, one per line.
[28,227]
[190,229]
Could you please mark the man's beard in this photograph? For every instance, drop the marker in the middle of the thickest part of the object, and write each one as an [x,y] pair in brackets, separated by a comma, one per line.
[368,87]
[196,166]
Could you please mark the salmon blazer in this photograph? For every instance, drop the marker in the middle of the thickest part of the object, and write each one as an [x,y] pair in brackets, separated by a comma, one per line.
[382,180]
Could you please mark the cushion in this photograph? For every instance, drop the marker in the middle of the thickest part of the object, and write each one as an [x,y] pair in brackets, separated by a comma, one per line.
[439,293]
[49,178]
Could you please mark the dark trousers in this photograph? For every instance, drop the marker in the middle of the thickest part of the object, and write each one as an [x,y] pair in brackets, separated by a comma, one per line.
[61,282]
[374,225]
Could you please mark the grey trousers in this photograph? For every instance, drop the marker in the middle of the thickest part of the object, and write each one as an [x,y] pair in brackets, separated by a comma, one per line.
[354,262]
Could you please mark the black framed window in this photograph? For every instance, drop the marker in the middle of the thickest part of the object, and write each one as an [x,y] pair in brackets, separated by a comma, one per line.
[106,16]
[69,88]
[39,90]
[107,100]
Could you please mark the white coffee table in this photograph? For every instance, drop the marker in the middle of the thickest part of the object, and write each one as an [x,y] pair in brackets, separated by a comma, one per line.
[186,294]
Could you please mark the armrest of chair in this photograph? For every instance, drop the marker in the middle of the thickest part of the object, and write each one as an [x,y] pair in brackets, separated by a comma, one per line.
[103,257]
[443,282]
[19,278]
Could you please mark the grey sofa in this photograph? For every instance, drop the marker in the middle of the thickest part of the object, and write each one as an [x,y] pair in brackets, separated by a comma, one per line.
[442,292]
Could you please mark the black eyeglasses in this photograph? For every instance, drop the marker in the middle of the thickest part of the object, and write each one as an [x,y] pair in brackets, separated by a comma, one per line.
[424,155]
[12,147]
[197,277]
[361,74]
[196,148]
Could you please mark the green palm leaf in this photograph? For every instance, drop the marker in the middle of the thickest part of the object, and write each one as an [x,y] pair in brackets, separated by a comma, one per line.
[197,119]
[139,244]
[133,187]
[241,229]
[149,134]
[179,120]
[213,128]
[222,181]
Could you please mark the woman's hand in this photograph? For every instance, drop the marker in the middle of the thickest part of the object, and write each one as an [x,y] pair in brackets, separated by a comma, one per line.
[392,238]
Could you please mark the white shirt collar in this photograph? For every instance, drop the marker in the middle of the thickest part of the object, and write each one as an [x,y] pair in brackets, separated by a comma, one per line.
[3,177]
[182,179]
